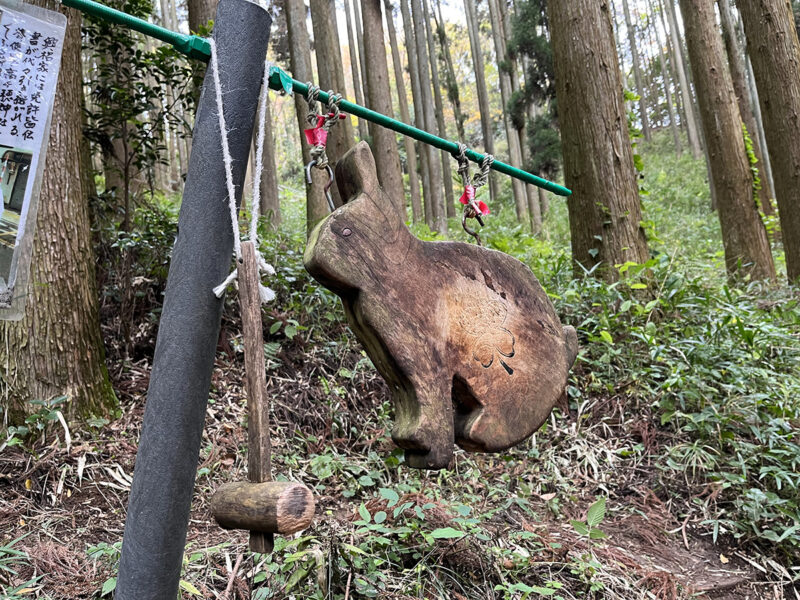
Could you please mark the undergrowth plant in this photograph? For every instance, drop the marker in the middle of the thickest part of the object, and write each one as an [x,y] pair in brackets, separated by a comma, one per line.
[709,365]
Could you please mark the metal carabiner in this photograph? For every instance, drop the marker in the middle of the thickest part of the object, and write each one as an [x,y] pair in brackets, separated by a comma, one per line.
[327,188]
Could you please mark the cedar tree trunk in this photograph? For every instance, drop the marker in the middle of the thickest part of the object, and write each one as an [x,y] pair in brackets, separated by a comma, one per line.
[743,233]
[604,209]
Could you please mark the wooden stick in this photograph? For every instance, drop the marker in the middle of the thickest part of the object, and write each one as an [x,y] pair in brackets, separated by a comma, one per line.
[259,462]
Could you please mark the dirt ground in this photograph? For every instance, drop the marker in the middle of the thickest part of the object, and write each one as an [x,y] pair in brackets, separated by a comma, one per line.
[67,502]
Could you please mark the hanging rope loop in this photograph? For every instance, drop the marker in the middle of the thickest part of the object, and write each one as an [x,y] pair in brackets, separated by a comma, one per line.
[319,125]
[265,293]
[473,209]
[480,178]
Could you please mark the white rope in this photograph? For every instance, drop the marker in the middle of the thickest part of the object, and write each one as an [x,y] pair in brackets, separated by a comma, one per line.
[265,293]
[226,153]
[259,168]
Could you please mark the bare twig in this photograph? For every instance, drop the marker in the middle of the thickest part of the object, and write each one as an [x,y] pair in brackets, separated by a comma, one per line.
[232,576]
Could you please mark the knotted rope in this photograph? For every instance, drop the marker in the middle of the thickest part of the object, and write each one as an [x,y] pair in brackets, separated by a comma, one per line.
[319,125]
[265,293]
[473,209]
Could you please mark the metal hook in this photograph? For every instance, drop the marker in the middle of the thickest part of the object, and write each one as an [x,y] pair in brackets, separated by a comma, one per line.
[313,163]
[327,188]
[466,227]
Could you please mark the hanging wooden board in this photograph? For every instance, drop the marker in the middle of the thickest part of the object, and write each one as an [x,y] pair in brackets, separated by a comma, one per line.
[466,337]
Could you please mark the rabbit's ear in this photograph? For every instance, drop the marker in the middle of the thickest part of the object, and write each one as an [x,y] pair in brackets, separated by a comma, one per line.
[356,173]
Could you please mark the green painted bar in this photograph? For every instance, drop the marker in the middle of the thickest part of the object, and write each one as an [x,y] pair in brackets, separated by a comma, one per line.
[196,47]
[422,136]
[191,45]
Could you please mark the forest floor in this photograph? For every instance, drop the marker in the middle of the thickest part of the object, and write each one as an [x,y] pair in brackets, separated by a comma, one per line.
[614,498]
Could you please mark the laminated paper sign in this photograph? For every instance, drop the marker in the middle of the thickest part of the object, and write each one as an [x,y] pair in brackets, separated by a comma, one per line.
[31,39]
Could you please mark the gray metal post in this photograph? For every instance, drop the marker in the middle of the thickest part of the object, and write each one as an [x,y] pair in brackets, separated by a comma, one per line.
[166,462]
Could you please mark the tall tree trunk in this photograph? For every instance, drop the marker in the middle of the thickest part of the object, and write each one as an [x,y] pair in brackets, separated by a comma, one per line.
[531,191]
[450,209]
[270,205]
[737,70]
[170,131]
[487,127]
[617,41]
[300,59]
[668,77]
[356,72]
[419,120]
[57,347]
[637,72]
[451,82]
[754,102]
[384,142]
[540,194]
[411,159]
[775,53]
[426,106]
[200,13]
[604,208]
[362,57]
[512,134]
[686,93]
[184,132]
[649,75]
[330,75]
[672,66]
[743,234]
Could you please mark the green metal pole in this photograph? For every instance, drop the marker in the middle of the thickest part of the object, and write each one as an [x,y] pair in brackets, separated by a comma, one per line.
[196,47]
[192,46]
[279,81]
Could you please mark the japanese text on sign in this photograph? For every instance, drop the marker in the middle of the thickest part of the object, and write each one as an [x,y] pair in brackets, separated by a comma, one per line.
[31,40]
[26,57]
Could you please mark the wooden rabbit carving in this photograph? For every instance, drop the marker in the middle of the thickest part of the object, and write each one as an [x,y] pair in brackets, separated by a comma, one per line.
[465,337]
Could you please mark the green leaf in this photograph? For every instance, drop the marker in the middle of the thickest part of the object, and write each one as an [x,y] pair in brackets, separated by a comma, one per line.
[366,481]
[354,549]
[596,534]
[109,586]
[362,510]
[188,587]
[273,329]
[380,517]
[606,337]
[596,513]
[638,286]
[580,527]
[444,533]
[390,495]
[625,306]
[296,578]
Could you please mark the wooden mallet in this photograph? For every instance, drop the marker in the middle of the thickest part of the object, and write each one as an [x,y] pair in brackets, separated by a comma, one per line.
[262,506]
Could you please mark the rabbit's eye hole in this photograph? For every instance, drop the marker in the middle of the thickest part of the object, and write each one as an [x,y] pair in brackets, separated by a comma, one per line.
[347,232]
